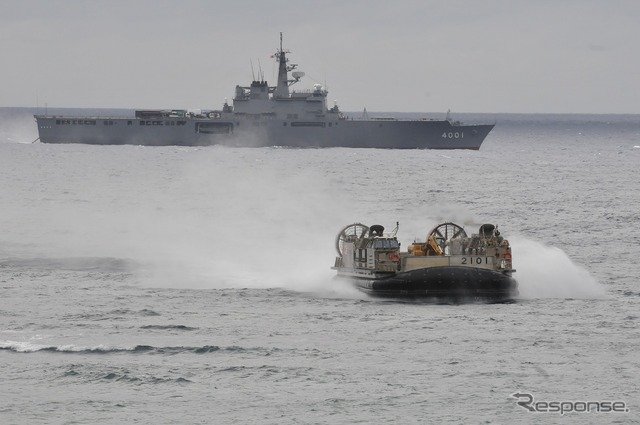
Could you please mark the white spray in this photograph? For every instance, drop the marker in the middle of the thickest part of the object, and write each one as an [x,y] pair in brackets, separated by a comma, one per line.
[548,272]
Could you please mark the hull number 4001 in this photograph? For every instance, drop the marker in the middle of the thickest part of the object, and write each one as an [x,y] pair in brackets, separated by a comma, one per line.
[453,135]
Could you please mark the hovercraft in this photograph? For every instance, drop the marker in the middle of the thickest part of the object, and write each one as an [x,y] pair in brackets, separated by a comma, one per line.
[449,266]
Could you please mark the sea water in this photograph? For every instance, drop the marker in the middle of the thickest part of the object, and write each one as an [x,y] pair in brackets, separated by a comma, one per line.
[193,285]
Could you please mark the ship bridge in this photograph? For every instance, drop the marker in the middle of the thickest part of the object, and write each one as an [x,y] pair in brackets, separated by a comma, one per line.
[260,98]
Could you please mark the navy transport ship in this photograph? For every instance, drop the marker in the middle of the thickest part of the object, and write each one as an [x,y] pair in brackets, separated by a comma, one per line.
[449,266]
[264,115]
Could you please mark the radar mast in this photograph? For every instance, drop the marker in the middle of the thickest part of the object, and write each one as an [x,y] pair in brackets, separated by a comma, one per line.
[282,89]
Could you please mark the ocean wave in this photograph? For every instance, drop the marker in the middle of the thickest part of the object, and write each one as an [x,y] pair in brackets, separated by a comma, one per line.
[125,377]
[116,314]
[121,375]
[28,347]
[103,264]
[169,327]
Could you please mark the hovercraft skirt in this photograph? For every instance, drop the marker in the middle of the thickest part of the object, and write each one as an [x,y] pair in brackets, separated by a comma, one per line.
[450,282]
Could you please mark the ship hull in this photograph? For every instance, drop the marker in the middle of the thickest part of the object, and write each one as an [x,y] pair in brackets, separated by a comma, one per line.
[243,132]
[440,284]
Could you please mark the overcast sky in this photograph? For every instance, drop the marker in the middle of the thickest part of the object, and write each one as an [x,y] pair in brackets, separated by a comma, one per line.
[562,56]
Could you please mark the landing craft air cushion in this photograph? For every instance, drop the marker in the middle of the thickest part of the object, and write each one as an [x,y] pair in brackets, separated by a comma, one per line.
[448,267]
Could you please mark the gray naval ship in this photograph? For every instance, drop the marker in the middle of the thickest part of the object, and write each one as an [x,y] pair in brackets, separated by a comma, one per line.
[263,115]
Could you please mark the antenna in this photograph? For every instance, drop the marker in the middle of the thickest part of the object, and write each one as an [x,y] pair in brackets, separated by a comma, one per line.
[260,71]
[395,231]
[253,74]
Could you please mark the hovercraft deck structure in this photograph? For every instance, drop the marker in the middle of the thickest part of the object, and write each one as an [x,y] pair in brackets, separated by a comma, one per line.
[263,115]
[449,266]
